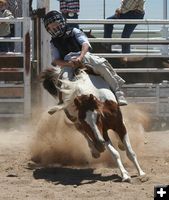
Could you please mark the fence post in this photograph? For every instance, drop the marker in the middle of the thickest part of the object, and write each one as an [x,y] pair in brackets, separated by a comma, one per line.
[165,34]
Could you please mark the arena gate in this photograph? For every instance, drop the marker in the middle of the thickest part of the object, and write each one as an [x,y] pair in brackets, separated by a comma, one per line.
[15,71]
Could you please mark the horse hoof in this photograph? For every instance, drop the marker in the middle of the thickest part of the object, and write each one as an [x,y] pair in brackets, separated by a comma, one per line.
[143,178]
[95,155]
[126,178]
[52,111]
[142,173]
[100,146]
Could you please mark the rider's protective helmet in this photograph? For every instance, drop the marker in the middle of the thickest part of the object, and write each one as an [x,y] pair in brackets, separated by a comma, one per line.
[55,16]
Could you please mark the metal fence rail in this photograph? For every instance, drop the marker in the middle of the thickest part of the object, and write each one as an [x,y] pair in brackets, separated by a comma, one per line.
[159,38]
[15,75]
[153,95]
[120,21]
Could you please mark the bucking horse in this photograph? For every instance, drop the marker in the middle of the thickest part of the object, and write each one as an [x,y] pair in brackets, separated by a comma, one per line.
[92,107]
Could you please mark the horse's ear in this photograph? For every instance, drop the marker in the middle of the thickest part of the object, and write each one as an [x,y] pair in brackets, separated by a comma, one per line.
[92,97]
[93,101]
[90,32]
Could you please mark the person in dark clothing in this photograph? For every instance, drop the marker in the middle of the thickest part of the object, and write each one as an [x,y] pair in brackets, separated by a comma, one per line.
[69,46]
[130,9]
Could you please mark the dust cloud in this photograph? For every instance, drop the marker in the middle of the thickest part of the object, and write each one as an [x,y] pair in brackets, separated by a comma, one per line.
[136,120]
[57,142]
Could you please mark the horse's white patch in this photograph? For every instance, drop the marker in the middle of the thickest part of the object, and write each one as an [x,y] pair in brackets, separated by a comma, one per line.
[116,156]
[95,85]
[54,109]
[91,118]
[131,154]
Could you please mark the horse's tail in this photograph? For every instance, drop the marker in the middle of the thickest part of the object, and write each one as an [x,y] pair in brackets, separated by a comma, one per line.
[50,87]
[49,77]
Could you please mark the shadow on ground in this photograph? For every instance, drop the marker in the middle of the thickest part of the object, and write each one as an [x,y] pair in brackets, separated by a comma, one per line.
[72,176]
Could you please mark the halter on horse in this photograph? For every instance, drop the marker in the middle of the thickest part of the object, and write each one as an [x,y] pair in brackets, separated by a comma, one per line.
[94,110]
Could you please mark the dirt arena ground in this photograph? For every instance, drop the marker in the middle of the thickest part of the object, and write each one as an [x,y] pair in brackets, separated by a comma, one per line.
[66,169]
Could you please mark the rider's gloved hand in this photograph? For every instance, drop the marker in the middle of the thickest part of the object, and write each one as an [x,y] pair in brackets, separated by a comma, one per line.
[77,64]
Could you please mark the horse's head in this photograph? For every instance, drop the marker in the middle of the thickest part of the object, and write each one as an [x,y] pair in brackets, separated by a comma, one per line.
[87,102]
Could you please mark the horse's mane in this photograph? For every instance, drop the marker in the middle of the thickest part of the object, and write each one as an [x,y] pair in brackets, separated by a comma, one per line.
[71,87]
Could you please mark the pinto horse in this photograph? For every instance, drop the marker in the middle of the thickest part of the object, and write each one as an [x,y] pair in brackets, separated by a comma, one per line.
[92,107]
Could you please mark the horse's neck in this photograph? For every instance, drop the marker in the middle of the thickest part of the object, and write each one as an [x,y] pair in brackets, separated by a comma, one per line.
[85,85]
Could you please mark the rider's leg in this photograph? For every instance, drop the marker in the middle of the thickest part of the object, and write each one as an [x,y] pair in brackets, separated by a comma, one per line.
[111,74]
[115,83]
[67,73]
[102,66]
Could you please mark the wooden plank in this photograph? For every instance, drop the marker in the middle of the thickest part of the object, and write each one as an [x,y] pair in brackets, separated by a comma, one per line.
[9,77]
[140,92]
[11,92]
[11,62]
[4,115]
[8,108]
[12,100]
[11,85]
[10,70]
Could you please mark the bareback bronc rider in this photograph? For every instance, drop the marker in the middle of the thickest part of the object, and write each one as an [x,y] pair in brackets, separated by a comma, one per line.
[69,46]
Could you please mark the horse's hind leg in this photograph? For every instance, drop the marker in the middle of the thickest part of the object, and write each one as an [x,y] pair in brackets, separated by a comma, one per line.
[116,156]
[131,154]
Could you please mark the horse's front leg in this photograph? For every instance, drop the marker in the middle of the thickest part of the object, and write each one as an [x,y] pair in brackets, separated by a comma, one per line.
[131,154]
[116,157]
[95,152]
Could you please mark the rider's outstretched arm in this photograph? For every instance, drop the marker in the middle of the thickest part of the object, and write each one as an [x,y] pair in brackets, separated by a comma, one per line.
[84,50]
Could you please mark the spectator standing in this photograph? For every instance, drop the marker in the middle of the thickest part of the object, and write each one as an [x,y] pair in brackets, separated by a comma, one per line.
[19,9]
[16,9]
[5,30]
[129,9]
[70,10]
[12,5]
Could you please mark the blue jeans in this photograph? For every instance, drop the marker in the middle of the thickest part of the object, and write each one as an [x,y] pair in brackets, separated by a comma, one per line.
[128,28]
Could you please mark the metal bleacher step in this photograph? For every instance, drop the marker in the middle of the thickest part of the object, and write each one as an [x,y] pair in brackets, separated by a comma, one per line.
[11,54]
[10,70]
[12,100]
[134,50]
[5,115]
[11,85]
[142,70]
[133,55]
[11,39]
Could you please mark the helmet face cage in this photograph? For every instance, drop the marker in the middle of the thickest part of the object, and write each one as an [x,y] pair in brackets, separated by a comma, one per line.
[54,16]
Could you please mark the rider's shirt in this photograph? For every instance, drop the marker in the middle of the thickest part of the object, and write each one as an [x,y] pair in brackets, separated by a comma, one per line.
[71,42]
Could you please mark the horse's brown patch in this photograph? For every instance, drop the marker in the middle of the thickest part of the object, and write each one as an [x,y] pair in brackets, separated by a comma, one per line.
[108,116]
